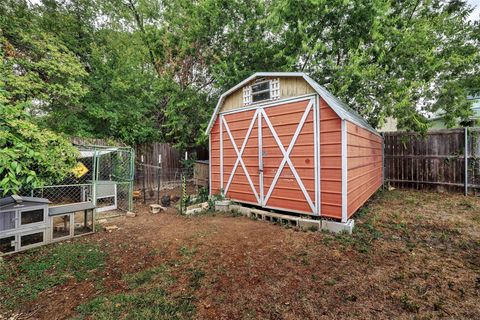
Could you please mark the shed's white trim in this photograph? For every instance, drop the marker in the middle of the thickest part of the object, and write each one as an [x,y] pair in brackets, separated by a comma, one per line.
[342,110]
[344,172]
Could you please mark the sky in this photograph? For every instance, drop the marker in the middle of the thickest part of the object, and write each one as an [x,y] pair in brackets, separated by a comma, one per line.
[474,16]
[476,12]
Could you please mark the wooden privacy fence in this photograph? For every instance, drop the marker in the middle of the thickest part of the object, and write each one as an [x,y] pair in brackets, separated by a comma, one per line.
[147,169]
[443,160]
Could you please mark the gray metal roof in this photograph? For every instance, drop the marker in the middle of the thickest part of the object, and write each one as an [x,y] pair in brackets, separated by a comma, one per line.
[19,200]
[340,108]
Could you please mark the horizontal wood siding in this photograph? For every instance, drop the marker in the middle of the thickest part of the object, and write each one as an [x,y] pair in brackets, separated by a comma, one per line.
[215,157]
[330,162]
[364,163]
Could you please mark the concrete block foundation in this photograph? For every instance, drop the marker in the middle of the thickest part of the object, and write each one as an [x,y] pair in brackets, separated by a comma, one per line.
[294,221]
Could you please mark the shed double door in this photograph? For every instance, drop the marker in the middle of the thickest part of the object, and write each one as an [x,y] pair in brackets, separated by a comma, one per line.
[268,156]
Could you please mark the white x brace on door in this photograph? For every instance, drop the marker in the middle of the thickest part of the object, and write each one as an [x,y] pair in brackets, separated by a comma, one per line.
[261,128]
[286,156]
[239,156]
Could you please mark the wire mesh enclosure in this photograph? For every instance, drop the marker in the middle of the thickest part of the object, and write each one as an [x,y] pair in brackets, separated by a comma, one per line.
[103,175]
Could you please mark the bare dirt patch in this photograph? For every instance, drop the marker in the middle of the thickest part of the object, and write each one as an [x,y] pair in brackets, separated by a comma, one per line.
[413,254]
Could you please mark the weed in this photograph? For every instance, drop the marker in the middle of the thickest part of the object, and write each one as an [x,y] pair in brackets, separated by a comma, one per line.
[351,298]
[408,304]
[233,213]
[150,275]
[302,256]
[98,227]
[196,276]
[186,252]
[466,205]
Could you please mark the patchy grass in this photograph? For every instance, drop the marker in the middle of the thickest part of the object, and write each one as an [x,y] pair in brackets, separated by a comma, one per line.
[152,294]
[26,275]
[154,303]
[157,274]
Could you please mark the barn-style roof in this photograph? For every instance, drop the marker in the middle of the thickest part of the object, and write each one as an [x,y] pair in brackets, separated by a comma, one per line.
[340,108]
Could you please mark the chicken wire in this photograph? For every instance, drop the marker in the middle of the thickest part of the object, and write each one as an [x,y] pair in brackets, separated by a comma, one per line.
[153,182]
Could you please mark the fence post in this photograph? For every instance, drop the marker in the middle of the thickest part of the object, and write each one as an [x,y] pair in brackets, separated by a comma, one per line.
[143,180]
[383,160]
[132,179]
[94,177]
[158,185]
[466,160]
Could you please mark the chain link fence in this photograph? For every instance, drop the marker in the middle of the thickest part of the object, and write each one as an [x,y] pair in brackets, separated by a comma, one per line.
[103,175]
[169,187]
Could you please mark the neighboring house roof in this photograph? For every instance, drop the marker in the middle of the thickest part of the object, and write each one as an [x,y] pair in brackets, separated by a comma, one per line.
[19,200]
[340,108]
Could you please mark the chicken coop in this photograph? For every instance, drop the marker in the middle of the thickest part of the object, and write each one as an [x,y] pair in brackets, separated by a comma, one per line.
[282,141]
[101,182]
[28,222]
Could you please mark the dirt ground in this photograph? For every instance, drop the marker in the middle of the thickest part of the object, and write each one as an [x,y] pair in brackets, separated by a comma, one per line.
[413,255]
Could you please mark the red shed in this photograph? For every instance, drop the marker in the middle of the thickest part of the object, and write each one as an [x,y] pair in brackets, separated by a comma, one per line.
[279,140]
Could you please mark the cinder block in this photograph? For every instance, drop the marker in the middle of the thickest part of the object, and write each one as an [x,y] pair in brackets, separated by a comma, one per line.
[337,227]
[222,205]
[194,211]
[203,205]
[243,210]
[306,224]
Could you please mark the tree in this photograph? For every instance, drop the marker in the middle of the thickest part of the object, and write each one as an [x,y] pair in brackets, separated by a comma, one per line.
[30,156]
[37,75]
[405,59]
[151,70]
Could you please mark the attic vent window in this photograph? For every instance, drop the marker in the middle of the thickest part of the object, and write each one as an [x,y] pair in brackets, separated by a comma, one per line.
[262,91]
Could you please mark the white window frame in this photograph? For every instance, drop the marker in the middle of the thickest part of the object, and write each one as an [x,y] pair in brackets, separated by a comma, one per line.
[273,89]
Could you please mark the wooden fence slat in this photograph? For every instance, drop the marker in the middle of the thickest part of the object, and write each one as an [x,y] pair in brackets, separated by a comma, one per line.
[434,161]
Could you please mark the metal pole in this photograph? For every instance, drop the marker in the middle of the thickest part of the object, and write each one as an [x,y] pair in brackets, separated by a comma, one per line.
[383,161]
[466,160]
[132,177]
[158,177]
[94,178]
[158,185]
[181,194]
[143,180]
